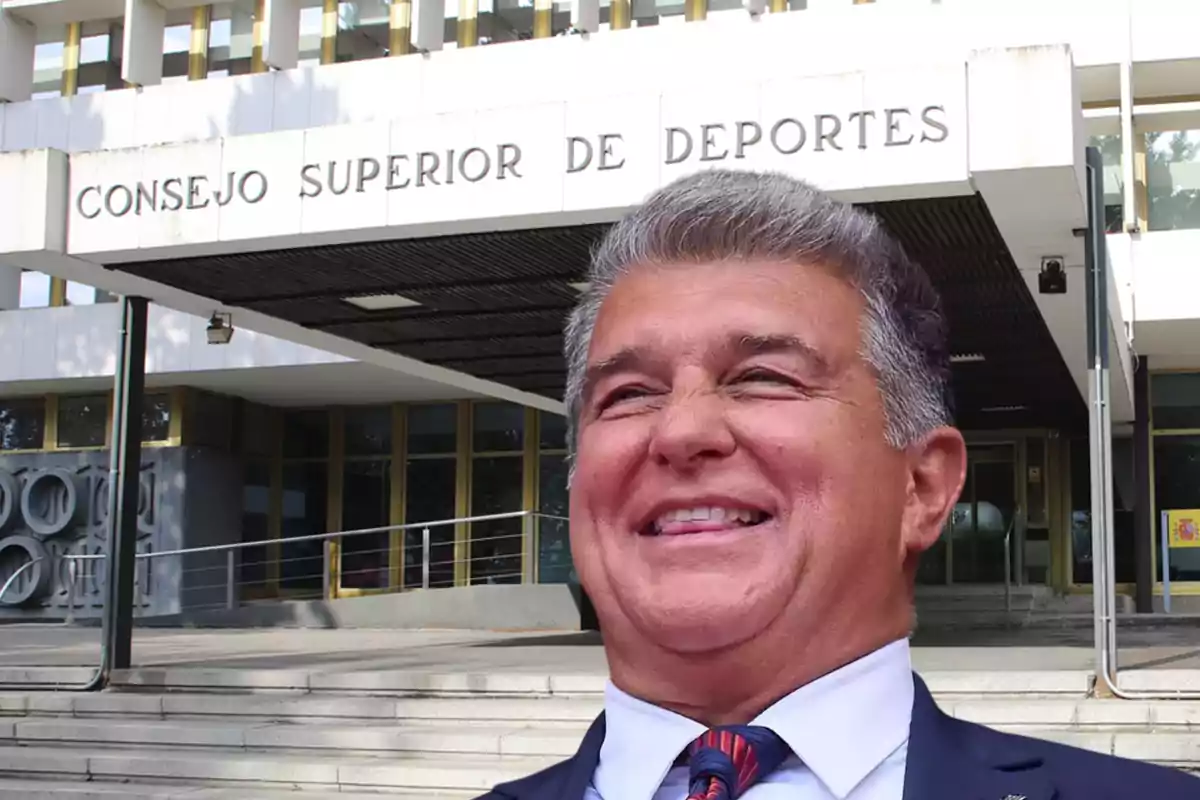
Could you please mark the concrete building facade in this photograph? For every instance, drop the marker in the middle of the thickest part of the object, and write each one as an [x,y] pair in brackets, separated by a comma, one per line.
[394,220]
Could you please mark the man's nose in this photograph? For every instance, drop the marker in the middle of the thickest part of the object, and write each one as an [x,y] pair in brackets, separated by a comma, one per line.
[690,429]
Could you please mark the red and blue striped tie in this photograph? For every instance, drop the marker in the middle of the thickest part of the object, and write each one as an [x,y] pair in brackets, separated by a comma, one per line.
[726,761]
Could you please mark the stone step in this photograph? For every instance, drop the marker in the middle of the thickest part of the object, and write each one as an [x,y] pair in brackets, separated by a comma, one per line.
[299,708]
[485,725]
[358,740]
[99,790]
[399,683]
[266,770]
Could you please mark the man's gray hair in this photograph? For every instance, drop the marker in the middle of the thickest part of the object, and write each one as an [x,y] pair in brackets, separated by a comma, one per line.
[722,215]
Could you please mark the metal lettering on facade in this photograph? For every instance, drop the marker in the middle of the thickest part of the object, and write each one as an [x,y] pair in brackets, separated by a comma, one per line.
[708,143]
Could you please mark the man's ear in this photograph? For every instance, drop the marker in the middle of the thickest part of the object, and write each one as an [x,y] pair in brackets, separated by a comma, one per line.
[937,467]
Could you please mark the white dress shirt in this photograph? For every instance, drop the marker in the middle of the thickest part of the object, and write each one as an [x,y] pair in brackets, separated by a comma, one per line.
[848,732]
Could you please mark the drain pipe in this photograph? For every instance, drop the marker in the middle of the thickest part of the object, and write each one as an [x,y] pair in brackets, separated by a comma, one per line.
[1100,433]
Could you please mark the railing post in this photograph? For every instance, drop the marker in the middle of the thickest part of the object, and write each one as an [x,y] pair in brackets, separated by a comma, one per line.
[528,545]
[425,558]
[230,577]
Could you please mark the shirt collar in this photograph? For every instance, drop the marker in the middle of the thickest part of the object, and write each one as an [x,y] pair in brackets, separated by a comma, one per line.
[841,726]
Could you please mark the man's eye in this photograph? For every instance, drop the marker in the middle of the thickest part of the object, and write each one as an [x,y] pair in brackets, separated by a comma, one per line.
[764,376]
[621,395]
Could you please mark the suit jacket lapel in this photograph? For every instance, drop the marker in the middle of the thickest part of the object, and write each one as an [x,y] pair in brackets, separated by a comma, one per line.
[952,760]
[567,781]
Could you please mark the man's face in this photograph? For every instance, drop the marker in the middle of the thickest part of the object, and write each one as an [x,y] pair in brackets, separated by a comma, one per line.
[732,465]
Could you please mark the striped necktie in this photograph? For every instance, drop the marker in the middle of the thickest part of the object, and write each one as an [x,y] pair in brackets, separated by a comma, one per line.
[724,762]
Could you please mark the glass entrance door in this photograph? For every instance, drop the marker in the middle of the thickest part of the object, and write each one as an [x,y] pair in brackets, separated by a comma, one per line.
[971,548]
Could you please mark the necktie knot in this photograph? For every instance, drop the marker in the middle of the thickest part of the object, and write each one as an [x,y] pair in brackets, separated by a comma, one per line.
[726,761]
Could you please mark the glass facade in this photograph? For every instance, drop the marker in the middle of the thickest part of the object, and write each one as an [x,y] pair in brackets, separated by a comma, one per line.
[1175,414]
[1173,179]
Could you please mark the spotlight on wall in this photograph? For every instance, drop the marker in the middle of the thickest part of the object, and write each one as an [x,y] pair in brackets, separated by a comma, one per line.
[220,328]
[1053,277]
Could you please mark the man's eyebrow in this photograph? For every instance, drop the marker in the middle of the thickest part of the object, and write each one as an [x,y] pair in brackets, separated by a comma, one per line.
[764,344]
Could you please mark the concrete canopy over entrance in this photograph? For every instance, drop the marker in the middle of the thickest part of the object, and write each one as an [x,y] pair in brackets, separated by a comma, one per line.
[472,200]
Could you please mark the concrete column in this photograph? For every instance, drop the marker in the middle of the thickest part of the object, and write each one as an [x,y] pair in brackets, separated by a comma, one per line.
[428,25]
[18,38]
[10,287]
[198,48]
[543,19]
[142,50]
[585,16]
[329,32]
[468,23]
[281,48]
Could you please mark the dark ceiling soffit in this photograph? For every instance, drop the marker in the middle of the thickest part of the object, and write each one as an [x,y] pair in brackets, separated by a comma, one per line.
[402,289]
[427,314]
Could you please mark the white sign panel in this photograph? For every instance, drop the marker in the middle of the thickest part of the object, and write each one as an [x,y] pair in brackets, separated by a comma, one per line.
[850,133]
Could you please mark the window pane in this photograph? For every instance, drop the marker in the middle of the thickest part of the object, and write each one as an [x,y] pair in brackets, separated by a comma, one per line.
[369,431]
[22,421]
[35,290]
[156,418]
[255,429]
[432,429]
[256,505]
[554,546]
[366,503]
[82,420]
[496,488]
[80,294]
[1173,179]
[1081,518]
[1177,486]
[304,505]
[305,434]
[429,496]
[1114,181]
[1175,398]
[553,433]
[498,427]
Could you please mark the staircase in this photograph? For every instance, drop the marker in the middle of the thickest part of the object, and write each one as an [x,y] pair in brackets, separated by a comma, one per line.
[969,606]
[187,734]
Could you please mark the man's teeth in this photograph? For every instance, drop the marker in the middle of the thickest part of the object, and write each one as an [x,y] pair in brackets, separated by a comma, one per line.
[744,516]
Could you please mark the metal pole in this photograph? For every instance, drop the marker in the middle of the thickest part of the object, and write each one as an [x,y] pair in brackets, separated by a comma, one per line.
[72,573]
[1099,417]
[124,481]
[425,558]
[327,579]
[230,577]
[1166,561]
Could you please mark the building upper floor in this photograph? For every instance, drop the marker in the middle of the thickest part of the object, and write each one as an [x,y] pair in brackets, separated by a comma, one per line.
[1013,130]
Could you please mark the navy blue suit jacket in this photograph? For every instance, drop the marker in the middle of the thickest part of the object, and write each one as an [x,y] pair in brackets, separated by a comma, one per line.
[948,759]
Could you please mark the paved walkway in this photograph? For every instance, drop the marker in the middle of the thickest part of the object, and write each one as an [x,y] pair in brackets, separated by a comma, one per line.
[565,653]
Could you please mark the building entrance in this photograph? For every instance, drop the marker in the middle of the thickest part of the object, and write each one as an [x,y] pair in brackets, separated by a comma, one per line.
[972,547]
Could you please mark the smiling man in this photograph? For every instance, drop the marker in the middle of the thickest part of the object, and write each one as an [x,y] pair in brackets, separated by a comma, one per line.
[762,445]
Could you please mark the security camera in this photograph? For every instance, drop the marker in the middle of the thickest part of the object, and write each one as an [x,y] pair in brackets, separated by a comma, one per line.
[1053,277]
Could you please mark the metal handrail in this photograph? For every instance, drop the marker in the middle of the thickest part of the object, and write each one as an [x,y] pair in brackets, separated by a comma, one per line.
[12,578]
[1012,524]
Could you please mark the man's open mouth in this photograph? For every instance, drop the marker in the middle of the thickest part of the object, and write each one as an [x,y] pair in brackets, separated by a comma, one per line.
[702,519]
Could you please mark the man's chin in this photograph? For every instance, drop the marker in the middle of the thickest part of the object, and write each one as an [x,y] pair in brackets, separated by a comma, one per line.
[695,628]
